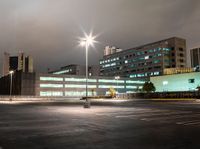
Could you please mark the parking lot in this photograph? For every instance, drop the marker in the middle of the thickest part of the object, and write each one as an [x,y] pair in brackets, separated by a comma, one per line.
[133,124]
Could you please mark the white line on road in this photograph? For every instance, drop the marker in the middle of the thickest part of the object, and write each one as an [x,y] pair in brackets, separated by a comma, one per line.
[185,122]
[192,123]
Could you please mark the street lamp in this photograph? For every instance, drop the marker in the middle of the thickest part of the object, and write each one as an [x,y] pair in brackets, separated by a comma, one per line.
[117,78]
[11,76]
[86,42]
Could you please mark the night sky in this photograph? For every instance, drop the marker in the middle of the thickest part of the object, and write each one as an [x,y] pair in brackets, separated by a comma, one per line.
[49,29]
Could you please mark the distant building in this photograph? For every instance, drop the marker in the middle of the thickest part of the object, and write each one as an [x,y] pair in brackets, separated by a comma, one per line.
[176,82]
[23,84]
[111,50]
[20,62]
[146,60]
[75,69]
[195,57]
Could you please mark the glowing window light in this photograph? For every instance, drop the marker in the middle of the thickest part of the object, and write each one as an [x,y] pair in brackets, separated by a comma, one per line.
[51,85]
[50,79]
[134,82]
[79,86]
[109,86]
[77,93]
[62,72]
[107,65]
[79,80]
[49,93]
[111,81]
[165,82]
[113,64]
[146,57]
[131,87]
[130,92]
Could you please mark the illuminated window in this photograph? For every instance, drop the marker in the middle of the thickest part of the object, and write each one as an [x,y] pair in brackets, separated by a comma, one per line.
[79,80]
[165,82]
[51,85]
[113,64]
[146,57]
[110,81]
[79,86]
[79,93]
[156,73]
[62,72]
[131,87]
[140,87]
[133,76]
[107,65]
[51,79]
[109,86]
[49,93]
[134,82]
[157,61]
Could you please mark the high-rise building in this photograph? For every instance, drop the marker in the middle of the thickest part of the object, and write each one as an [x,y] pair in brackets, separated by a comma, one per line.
[195,57]
[20,62]
[146,60]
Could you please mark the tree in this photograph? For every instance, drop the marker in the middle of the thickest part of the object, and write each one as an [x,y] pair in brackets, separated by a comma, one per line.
[148,87]
[112,92]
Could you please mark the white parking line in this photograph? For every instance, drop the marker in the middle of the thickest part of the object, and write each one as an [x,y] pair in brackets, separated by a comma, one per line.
[192,123]
[185,122]
[150,117]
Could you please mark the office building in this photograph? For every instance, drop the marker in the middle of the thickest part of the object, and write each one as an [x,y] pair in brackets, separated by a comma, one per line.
[75,69]
[20,62]
[42,85]
[177,82]
[146,60]
[195,57]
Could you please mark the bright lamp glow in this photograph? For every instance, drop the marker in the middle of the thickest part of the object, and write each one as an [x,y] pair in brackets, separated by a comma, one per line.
[11,72]
[89,40]
[117,77]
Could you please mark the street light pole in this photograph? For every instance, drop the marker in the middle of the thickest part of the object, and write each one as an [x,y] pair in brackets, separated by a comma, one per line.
[87,41]
[11,82]
[117,78]
[86,73]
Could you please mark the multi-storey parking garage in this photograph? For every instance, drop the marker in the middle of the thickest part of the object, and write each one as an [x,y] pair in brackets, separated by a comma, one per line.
[37,84]
[65,85]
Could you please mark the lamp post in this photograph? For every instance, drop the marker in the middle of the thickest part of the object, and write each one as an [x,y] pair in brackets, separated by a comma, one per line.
[11,76]
[117,78]
[86,42]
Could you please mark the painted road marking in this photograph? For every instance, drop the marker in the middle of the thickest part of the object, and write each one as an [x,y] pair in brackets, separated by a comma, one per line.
[184,122]
[151,115]
[192,123]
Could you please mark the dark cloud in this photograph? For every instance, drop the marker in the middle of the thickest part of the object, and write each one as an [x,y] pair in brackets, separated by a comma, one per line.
[49,30]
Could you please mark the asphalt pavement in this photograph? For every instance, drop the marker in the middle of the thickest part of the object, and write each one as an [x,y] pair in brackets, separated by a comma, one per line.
[111,125]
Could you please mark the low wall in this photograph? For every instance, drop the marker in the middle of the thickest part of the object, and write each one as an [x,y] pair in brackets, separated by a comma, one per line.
[160,95]
[36,98]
